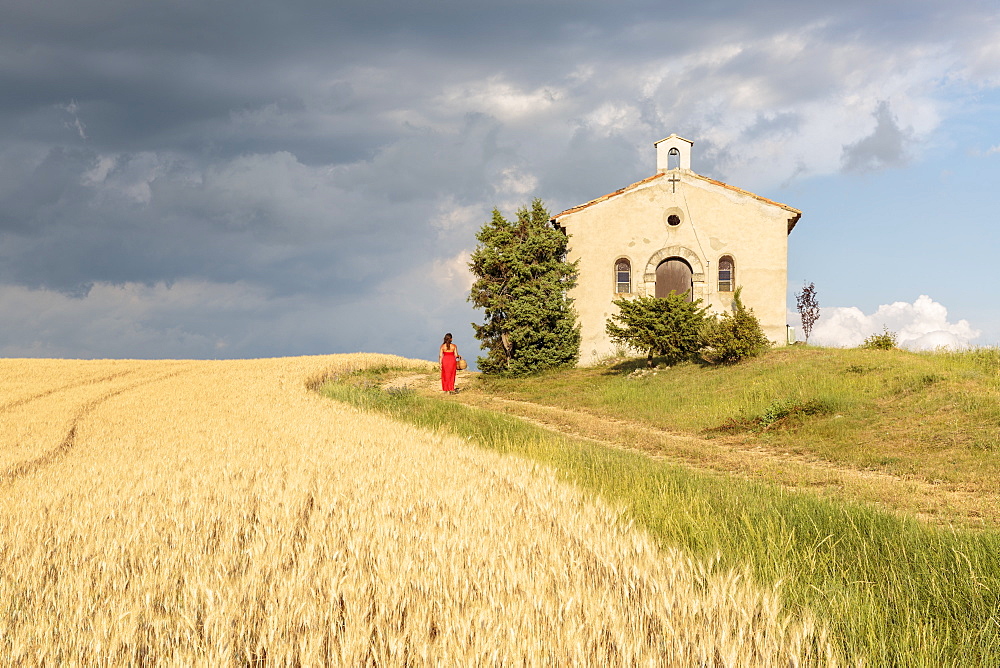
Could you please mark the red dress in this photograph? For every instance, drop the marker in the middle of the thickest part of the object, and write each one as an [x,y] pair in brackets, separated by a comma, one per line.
[449,367]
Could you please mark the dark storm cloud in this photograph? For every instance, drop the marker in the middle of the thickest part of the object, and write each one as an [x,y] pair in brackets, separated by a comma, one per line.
[145,218]
[167,74]
[252,178]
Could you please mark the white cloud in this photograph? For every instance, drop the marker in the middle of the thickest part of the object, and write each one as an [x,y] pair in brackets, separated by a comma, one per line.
[191,319]
[613,117]
[76,124]
[922,325]
[184,319]
[454,217]
[982,58]
[431,287]
[517,182]
[499,98]
[816,95]
[453,273]
[125,178]
[99,172]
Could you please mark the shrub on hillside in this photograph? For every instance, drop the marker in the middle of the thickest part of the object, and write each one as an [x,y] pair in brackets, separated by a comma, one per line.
[884,341]
[735,336]
[671,327]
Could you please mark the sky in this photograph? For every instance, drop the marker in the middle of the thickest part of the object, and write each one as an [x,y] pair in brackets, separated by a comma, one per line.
[219,179]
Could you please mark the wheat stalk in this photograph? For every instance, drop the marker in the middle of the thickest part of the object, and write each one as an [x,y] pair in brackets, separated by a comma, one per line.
[221,512]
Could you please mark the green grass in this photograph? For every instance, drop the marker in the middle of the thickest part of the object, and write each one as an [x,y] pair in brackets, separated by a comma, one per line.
[935,415]
[894,591]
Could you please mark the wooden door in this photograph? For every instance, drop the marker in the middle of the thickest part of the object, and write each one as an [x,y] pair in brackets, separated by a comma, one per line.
[674,274]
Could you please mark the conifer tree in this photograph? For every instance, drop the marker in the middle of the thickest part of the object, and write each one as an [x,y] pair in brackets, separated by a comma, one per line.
[735,336]
[668,326]
[522,280]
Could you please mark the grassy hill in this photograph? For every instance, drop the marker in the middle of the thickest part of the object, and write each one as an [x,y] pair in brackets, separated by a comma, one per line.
[863,481]
[917,432]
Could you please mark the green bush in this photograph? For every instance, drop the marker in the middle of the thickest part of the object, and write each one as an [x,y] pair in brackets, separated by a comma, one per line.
[735,336]
[884,341]
[671,327]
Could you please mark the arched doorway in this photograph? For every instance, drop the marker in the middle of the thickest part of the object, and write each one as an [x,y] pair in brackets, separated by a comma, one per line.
[674,274]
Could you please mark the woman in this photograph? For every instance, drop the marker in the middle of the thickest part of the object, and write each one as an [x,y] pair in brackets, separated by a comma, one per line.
[447,358]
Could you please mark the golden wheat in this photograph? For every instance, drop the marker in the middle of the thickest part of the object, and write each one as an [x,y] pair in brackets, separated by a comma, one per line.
[219,512]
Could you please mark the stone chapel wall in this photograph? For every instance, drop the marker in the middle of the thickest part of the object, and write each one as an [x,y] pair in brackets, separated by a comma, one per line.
[712,220]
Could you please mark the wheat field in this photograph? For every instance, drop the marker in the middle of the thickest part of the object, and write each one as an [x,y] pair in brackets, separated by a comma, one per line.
[222,513]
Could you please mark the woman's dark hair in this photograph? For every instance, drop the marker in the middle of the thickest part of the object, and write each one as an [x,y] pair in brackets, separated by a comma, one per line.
[447,338]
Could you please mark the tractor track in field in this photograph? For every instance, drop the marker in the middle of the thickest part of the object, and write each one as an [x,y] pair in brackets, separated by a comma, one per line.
[54,455]
[63,388]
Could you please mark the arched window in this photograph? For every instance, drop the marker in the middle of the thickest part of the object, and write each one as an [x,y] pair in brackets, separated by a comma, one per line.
[623,275]
[727,274]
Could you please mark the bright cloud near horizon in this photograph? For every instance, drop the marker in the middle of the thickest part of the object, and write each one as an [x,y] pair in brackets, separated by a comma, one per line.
[922,325]
[225,179]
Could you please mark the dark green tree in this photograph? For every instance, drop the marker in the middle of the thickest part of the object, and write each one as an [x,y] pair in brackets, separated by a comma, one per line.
[735,336]
[522,281]
[670,327]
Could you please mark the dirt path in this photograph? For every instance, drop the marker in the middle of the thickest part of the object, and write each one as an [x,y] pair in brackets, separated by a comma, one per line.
[934,502]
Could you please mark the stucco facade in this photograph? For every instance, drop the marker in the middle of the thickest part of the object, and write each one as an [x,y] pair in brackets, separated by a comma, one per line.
[678,220]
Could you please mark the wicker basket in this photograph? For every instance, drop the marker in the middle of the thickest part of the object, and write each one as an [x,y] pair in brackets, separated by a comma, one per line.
[461,364]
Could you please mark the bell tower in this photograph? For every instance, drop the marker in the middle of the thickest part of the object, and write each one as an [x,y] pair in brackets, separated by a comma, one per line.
[673,153]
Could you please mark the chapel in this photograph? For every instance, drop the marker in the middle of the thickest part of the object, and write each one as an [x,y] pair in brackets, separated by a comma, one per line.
[678,230]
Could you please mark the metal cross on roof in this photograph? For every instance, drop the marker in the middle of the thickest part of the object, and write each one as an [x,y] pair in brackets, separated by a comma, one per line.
[674,180]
